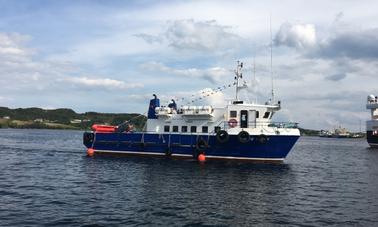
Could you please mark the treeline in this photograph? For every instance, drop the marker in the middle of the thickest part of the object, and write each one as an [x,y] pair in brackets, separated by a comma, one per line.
[63,118]
[30,114]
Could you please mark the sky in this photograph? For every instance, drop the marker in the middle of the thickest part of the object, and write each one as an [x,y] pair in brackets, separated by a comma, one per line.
[111,56]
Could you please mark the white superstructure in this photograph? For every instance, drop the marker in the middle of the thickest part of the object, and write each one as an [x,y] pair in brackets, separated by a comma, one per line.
[234,117]
[372,105]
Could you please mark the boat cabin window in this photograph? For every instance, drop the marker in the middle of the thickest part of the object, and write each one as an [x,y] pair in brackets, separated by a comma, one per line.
[175,128]
[193,129]
[217,129]
[205,129]
[166,128]
[257,114]
[233,113]
[184,128]
[266,114]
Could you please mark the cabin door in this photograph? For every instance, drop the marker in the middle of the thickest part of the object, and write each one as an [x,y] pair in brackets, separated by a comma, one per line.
[252,121]
[244,119]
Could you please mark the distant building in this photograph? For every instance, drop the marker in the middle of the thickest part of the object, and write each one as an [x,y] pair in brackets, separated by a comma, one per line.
[6,117]
[38,120]
[75,121]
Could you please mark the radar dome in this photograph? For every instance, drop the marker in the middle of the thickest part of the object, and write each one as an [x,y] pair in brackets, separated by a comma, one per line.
[371,98]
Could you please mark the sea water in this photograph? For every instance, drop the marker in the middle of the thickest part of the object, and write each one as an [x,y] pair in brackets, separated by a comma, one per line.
[47,179]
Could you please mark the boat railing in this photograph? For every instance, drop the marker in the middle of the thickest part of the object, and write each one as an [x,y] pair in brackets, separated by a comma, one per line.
[225,125]
[253,124]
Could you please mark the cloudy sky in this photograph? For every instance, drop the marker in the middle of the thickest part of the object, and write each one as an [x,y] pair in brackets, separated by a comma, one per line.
[111,56]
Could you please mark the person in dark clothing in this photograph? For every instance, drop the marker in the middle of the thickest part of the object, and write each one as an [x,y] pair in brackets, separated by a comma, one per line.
[173,105]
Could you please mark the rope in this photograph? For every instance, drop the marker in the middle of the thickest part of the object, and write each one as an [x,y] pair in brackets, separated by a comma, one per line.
[127,121]
[205,94]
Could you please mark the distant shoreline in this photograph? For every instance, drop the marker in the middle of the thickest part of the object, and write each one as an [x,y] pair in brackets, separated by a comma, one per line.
[67,119]
[19,124]
[63,119]
[88,129]
[41,126]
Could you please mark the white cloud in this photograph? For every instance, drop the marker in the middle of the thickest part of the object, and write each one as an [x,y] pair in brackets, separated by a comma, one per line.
[185,44]
[353,44]
[2,98]
[18,68]
[296,35]
[11,45]
[200,35]
[102,83]
[101,49]
[29,80]
[336,77]
[213,74]
[150,38]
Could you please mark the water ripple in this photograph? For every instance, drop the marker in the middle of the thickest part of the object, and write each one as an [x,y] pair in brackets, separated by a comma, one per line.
[46,180]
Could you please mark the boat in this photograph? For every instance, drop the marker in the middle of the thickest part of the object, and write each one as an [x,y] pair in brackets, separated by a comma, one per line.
[372,124]
[239,130]
[340,133]
[325,133]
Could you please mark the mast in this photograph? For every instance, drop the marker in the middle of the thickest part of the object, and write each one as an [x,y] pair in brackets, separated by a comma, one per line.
[254,68]
[238,75]
[271,56]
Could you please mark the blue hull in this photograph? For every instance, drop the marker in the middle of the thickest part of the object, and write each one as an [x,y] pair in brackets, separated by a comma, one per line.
[274,148]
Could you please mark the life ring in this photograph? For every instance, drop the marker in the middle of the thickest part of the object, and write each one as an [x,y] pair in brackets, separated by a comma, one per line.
[222,136]
[262,139]
[243,137]
[88,137]
[232,123]
[201,144]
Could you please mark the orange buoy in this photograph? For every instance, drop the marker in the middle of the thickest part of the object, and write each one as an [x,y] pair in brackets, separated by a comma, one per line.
[90,152]
[201,158]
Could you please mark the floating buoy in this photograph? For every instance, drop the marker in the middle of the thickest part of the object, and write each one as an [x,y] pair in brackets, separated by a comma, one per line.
[201,158]
[90,152]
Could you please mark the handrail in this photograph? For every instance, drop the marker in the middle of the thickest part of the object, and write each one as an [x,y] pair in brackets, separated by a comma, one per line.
[253,124]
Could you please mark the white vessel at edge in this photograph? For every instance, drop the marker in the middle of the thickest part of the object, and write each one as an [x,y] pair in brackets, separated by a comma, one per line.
[372,124]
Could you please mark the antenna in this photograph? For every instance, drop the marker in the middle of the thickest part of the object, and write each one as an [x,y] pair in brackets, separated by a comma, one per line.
[271,56]
[254,68]
[360,127]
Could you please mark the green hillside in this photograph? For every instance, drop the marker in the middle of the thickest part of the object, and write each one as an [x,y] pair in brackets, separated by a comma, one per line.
[63,118]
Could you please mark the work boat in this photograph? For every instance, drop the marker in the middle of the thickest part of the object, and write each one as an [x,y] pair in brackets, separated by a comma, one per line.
[237,131]
[372,124]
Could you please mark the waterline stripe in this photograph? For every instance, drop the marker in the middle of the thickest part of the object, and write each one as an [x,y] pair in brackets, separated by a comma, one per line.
[130,152]
[187,155]
[244,158]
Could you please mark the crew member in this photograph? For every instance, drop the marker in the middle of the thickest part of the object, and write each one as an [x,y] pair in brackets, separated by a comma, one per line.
[172,105]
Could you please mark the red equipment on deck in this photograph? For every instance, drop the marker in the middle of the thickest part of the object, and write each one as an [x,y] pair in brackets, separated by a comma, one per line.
[104,128]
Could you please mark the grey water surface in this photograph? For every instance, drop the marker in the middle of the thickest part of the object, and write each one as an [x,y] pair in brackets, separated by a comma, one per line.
[47,180]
